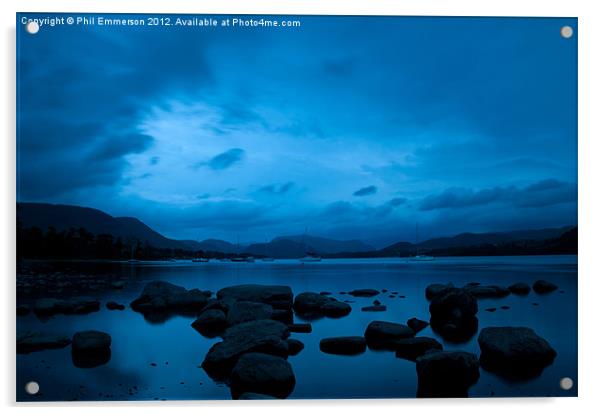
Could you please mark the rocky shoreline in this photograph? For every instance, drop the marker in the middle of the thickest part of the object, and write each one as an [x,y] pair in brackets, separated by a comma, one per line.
[253,324]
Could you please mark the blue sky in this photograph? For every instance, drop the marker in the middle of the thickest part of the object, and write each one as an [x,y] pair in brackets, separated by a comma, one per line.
[351,127]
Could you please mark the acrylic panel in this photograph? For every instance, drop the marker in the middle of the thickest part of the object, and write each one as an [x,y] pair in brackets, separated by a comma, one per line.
[305,207]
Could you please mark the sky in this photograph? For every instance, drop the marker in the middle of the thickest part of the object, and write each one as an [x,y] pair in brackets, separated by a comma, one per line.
[345,127]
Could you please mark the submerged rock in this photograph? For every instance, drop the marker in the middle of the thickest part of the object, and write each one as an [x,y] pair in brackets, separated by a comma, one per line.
[161,296]
[435,289]
[300,328]
[514,352]
[520,288]
[544,287]
[33,341]
[264,374]
[210,322]
[375,308]
[90,348]
[294,346]
[346,345]
[278,296]
[384,334]
[310,305]
[414,347]
[112,305]
[417,324]
[487,291]
[243,311]
[446,374]
[265,336]
[453,315]
[51,306]
[364,292]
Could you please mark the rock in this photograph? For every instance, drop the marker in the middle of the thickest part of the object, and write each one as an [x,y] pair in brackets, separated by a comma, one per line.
[294,346]
[33,341]
[243,311]
[376,302]
[514,352]
[325,293]
[300,328]
[544,287]
[51,306]
[364,292]
[250,396]
[23,310]
[264,336]
[520,288]
[491,309]
[414,347]
[278,296]
[505,307]
[435,289]
[453,315]
[283,316]
[312,305]
[383,334]
[347,345]
[416,324]
[90,348]
[213,304]
[375,308]
[262,373]
[112,305]
[210,322]
[162,297]
[487,291]
[446,374]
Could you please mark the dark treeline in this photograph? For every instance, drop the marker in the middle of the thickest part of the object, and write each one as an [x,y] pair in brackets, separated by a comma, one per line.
[34,243]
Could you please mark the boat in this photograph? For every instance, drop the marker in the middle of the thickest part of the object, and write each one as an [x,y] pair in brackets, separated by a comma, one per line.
[420,257]
[200,259]
[311,257]
[249,259]
[237,259]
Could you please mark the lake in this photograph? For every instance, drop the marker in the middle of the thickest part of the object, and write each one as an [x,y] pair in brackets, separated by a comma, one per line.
[161,361]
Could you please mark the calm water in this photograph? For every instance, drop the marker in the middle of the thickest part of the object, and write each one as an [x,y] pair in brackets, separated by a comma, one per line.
[177,349]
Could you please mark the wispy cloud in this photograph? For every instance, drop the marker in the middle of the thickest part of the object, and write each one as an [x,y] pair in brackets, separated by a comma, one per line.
[365,191]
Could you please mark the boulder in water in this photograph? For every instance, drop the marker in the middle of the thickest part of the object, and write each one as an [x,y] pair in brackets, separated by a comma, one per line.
[90,348]
[414,347]
[544,287]
[417,324]
[345,345]
[278,296]
[520,288]
[312,305]
[33,341]
[446,374]
[453,315]
[263,374]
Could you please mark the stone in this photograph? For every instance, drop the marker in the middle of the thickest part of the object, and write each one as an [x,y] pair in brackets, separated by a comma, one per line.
[375,308]
[162,296]
[520,288]
[453,315]
[243,311]
[446,374]
[264,336]
[300,328]
[345,345]
[278,296]
[112,305]
[294,346]
[210,322]
[544,287]
[51,306]
[514,352]
[414,347]
[30,341]
[312,305]
[384,334]
[263,374]
[487,291]
[435,289]
[90,348]
[364,292]
[417,324]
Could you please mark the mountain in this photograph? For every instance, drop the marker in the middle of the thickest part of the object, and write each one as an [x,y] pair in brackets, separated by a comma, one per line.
[64,217]
[327,246]
[217,245]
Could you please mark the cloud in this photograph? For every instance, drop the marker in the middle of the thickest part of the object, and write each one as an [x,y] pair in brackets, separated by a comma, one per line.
[365,191]
[542,193]
[397,201]
[276,189]
[226,159]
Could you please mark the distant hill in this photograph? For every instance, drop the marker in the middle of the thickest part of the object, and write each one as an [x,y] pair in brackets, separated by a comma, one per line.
[297,246]
[217,245]
[64,217]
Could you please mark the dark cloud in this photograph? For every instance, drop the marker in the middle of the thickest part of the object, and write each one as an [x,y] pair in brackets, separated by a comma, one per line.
[539,194]
[365,191]
[276,189]
[225,160]
[154,160]
[397,201]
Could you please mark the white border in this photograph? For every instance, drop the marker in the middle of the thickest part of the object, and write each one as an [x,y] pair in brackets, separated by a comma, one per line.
[590,209]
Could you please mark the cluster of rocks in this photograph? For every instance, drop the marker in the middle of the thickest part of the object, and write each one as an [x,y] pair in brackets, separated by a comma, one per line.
[52,306]
[160,299]
[88,348]
[35,283]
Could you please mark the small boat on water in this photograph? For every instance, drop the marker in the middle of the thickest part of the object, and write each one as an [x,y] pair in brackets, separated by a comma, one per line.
[311,257]
[200,259]
[237,259]
[249,259]
[422,258]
